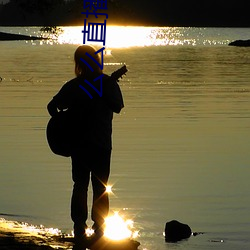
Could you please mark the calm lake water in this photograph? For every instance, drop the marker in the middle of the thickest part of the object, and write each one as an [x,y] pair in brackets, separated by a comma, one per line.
[180,146]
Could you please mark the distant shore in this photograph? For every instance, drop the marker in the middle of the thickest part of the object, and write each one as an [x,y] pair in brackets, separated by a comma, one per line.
[15,37]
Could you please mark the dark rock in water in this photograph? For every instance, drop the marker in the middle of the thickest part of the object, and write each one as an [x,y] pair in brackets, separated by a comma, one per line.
[197,233]
[14,37]
[240,43]
[176,231]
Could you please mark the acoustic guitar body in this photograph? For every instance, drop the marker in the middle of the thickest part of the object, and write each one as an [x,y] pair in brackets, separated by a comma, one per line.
[59,134]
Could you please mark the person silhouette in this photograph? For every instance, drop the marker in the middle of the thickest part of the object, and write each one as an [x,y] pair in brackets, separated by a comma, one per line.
[91,146]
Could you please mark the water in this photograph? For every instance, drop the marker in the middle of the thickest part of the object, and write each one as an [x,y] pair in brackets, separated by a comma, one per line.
[180,146]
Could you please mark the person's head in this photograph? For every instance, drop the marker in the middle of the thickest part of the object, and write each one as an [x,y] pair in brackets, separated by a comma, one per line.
[81,67]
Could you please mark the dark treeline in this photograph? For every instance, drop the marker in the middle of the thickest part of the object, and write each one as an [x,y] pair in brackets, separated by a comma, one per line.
[130,12]
[50,12]
[213,13]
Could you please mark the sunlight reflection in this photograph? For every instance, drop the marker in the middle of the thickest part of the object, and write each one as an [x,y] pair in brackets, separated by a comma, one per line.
[30,229]
[89,232]
[117,36]
[117,228]
[139,36]
[109,189]
[122,37]
[128,36]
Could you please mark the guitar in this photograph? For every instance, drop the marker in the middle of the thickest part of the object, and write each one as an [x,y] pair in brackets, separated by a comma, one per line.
[60,126]
[119,73]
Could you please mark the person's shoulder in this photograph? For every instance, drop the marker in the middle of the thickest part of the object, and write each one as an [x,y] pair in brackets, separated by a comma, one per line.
[71,83]
[109,83]
[105,77]
[109,80]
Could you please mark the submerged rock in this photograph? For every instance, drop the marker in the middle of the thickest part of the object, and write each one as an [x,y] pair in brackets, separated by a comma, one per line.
[240,43]
[176,231]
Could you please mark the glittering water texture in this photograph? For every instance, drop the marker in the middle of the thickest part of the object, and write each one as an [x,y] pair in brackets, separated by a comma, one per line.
[180,145]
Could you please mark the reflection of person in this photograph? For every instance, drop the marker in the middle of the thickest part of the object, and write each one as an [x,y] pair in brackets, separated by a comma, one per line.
[92,125]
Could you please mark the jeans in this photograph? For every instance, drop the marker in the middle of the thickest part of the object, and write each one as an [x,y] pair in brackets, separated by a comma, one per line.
[86,163]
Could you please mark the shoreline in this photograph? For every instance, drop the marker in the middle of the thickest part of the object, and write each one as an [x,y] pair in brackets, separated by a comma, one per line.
[15,236]
[18,235]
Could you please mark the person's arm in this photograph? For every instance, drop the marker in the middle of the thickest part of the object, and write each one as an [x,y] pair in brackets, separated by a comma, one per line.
[60,101]
[118,103]
[114,97]
[52,108]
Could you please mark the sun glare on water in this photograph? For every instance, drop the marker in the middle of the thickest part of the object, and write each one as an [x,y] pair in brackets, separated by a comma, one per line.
[109,189]
[139,36]
[119,229]
[116,36]
[124,37]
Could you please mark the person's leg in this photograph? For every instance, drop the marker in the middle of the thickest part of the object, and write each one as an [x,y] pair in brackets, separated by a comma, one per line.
[99,178]
[79,207]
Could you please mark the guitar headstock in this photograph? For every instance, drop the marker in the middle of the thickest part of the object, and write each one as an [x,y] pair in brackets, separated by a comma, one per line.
[119,73]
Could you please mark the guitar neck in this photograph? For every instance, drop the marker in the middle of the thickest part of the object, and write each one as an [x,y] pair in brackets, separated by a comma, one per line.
[119,73]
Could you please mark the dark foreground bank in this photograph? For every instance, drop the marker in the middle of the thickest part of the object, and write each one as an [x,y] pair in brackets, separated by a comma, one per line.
[9,241]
